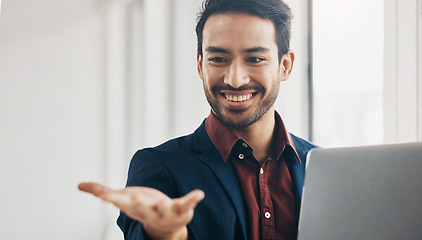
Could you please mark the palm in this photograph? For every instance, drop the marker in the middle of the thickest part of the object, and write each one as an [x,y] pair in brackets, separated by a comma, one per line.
[160,215]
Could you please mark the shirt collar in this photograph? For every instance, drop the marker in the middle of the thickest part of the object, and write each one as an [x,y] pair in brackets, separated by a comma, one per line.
[284,139]
[224,138]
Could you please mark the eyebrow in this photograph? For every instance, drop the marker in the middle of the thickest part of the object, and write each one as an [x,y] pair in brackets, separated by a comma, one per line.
[248,50]
[257,49]
[216,50]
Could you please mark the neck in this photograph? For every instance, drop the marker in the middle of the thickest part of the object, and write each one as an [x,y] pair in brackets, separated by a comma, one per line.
[259,135]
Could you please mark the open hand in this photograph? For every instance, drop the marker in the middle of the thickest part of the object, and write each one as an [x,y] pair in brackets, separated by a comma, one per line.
[161,216]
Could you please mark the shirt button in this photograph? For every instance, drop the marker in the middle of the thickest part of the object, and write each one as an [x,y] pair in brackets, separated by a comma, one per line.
[245,145]
[261,171]
[241,156]
[267,215]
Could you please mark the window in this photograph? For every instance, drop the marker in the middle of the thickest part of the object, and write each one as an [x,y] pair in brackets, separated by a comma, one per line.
[347,63]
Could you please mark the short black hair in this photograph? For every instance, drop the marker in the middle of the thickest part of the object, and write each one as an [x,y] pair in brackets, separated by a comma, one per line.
[275,10]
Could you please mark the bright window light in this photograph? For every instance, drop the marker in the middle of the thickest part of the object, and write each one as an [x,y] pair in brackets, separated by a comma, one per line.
[347,72]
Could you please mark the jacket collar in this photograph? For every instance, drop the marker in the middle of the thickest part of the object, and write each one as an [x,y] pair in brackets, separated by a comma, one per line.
[224,171]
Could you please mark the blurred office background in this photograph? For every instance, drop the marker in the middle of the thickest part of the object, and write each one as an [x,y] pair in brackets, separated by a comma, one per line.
[85,83]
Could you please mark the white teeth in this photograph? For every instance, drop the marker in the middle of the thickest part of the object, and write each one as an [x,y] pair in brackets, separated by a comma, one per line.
[238,98]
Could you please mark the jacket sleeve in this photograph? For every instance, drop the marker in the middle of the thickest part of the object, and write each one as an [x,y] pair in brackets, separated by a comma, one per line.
[146,170]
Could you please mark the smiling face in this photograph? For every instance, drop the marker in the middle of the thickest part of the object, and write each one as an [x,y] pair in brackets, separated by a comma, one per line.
[240,69]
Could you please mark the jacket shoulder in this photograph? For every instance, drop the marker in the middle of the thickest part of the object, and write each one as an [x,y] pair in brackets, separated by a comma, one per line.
[302,146]
[188,144]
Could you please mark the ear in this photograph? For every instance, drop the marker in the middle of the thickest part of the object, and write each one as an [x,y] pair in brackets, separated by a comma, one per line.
[199,65]
[286,65]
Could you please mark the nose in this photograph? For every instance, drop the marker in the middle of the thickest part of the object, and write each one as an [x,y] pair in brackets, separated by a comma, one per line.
[237,75]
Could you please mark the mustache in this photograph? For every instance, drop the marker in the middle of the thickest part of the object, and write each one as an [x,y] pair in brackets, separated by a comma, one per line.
[241,88]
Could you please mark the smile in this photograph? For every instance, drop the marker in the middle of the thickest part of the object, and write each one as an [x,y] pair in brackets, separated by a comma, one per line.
[238,98]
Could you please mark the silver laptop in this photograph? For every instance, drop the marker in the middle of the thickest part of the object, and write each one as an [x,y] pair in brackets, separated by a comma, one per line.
[372,192]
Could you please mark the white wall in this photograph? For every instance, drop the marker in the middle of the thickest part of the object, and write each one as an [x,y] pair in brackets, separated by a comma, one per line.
[52,118]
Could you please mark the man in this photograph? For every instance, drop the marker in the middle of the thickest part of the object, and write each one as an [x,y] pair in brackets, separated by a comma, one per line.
[246,168]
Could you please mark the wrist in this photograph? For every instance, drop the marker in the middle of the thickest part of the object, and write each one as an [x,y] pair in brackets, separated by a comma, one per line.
[180,234]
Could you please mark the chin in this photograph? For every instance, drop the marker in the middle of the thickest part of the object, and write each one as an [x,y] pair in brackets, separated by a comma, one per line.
[239,121]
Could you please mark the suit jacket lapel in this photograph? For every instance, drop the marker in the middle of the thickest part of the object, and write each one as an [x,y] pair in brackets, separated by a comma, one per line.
[297,172]
[224,171]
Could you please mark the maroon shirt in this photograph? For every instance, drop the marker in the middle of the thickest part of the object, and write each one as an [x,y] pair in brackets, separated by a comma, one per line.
[267,188]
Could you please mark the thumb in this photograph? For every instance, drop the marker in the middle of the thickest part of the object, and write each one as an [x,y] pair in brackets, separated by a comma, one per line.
[189,201]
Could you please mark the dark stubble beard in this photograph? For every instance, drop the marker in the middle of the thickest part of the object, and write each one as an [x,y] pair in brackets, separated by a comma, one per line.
[261,110]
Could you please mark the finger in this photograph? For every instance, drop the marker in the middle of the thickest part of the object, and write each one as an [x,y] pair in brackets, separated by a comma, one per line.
[189,201]
[117,197]
[91,187]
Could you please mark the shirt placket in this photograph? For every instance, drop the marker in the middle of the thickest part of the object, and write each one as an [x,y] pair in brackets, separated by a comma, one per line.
[266,206]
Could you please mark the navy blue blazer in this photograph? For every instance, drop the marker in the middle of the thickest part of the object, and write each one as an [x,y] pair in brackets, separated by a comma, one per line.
[193,162]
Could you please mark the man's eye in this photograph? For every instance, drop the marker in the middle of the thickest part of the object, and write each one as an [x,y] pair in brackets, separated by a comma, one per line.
[217,59]
[255,59]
